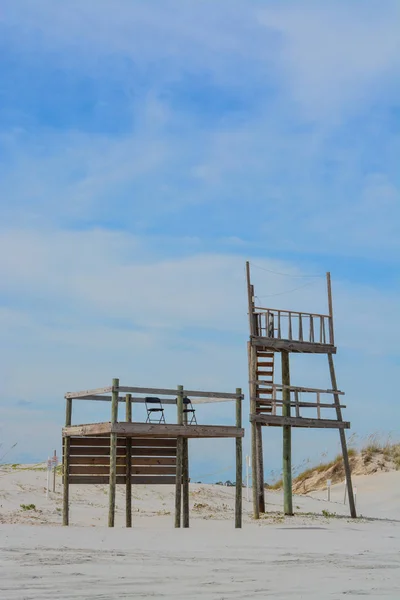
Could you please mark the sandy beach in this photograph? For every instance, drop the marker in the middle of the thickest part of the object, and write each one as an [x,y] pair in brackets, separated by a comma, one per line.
[306,556]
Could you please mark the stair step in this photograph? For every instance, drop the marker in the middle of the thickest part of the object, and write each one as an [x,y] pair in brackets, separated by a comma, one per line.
[265,364]
[265,354]
[265,373]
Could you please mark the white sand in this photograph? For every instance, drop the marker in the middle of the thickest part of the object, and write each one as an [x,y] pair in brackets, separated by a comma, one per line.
[300,557]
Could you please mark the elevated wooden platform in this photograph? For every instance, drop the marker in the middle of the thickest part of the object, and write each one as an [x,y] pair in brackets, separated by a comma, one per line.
[151,430]
[279,421]
[296,346]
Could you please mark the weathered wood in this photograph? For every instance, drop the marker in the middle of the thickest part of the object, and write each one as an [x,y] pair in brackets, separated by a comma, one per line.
[179,459]
[121,470]
[104,460]
[191,431]
[120,480]
[276,420]
[279,402]
[128,465]
[260,469]
[288,312]
[252,358]
[121,451]
[185,475]
[113,454]
[239,462]
[343,443]
[122,399]
[287,438]
[66,459]
[250,300]
[297,404]
[136,442]
[294,388]
[170,392]
[330,305]
[293,346]
[95,392]
[319,405]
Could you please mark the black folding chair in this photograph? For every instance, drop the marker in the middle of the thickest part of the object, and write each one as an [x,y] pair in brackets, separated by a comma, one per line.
[189,410]
[154,415]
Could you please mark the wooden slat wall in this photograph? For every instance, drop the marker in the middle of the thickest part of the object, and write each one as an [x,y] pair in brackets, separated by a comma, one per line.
[153,460]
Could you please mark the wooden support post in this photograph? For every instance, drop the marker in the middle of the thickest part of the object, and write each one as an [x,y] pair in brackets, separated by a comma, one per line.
[260,470]
[179,459]
[113,453]
[239,463]
[343,442]
[67,444]
[330,305]
[287,438]
[185,476]
[252,356]
[128,463]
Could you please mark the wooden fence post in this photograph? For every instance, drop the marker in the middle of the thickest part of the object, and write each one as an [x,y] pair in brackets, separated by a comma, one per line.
[128,463]
[239,458]
[113,453]
[179,459]
[66,446]
[253,411]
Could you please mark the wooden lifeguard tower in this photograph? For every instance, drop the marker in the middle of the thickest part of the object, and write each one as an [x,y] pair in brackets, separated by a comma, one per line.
[136,453]
[281,404]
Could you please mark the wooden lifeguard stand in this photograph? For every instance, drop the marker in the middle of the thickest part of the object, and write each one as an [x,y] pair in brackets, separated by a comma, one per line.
[271,405]
[135,453]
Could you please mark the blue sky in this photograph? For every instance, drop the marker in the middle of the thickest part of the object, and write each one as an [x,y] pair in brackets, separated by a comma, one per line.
[146,151]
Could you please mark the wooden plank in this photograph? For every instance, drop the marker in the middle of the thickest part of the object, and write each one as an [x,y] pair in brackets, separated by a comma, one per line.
[265,364]
[252,366]
[128,465]
[88,429]
[170,392]
[136,479]
[288,312]
[136,442]
[97,451]
[294,388]
[135,400]
[137,460]
[84,393]
[274,420]
[293,346]
[301,404]
[120,470]
[189,431]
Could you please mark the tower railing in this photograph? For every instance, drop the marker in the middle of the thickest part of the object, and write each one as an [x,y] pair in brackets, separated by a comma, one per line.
[292,325]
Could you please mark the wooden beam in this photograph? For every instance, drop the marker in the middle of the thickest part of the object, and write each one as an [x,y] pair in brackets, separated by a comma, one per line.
[85,393]
[185,476]
[293,346]
[287,437]
[179,460]
[128,465]
[113,454]
[170,392]
[346,463]
[239,463]
[120,470]
[104,441]
[136,479]
[66,460]
[121,451]
[252,360]
[274,420]
[135,460]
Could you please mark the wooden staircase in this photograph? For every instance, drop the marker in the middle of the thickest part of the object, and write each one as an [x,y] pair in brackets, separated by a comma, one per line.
[264,380]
